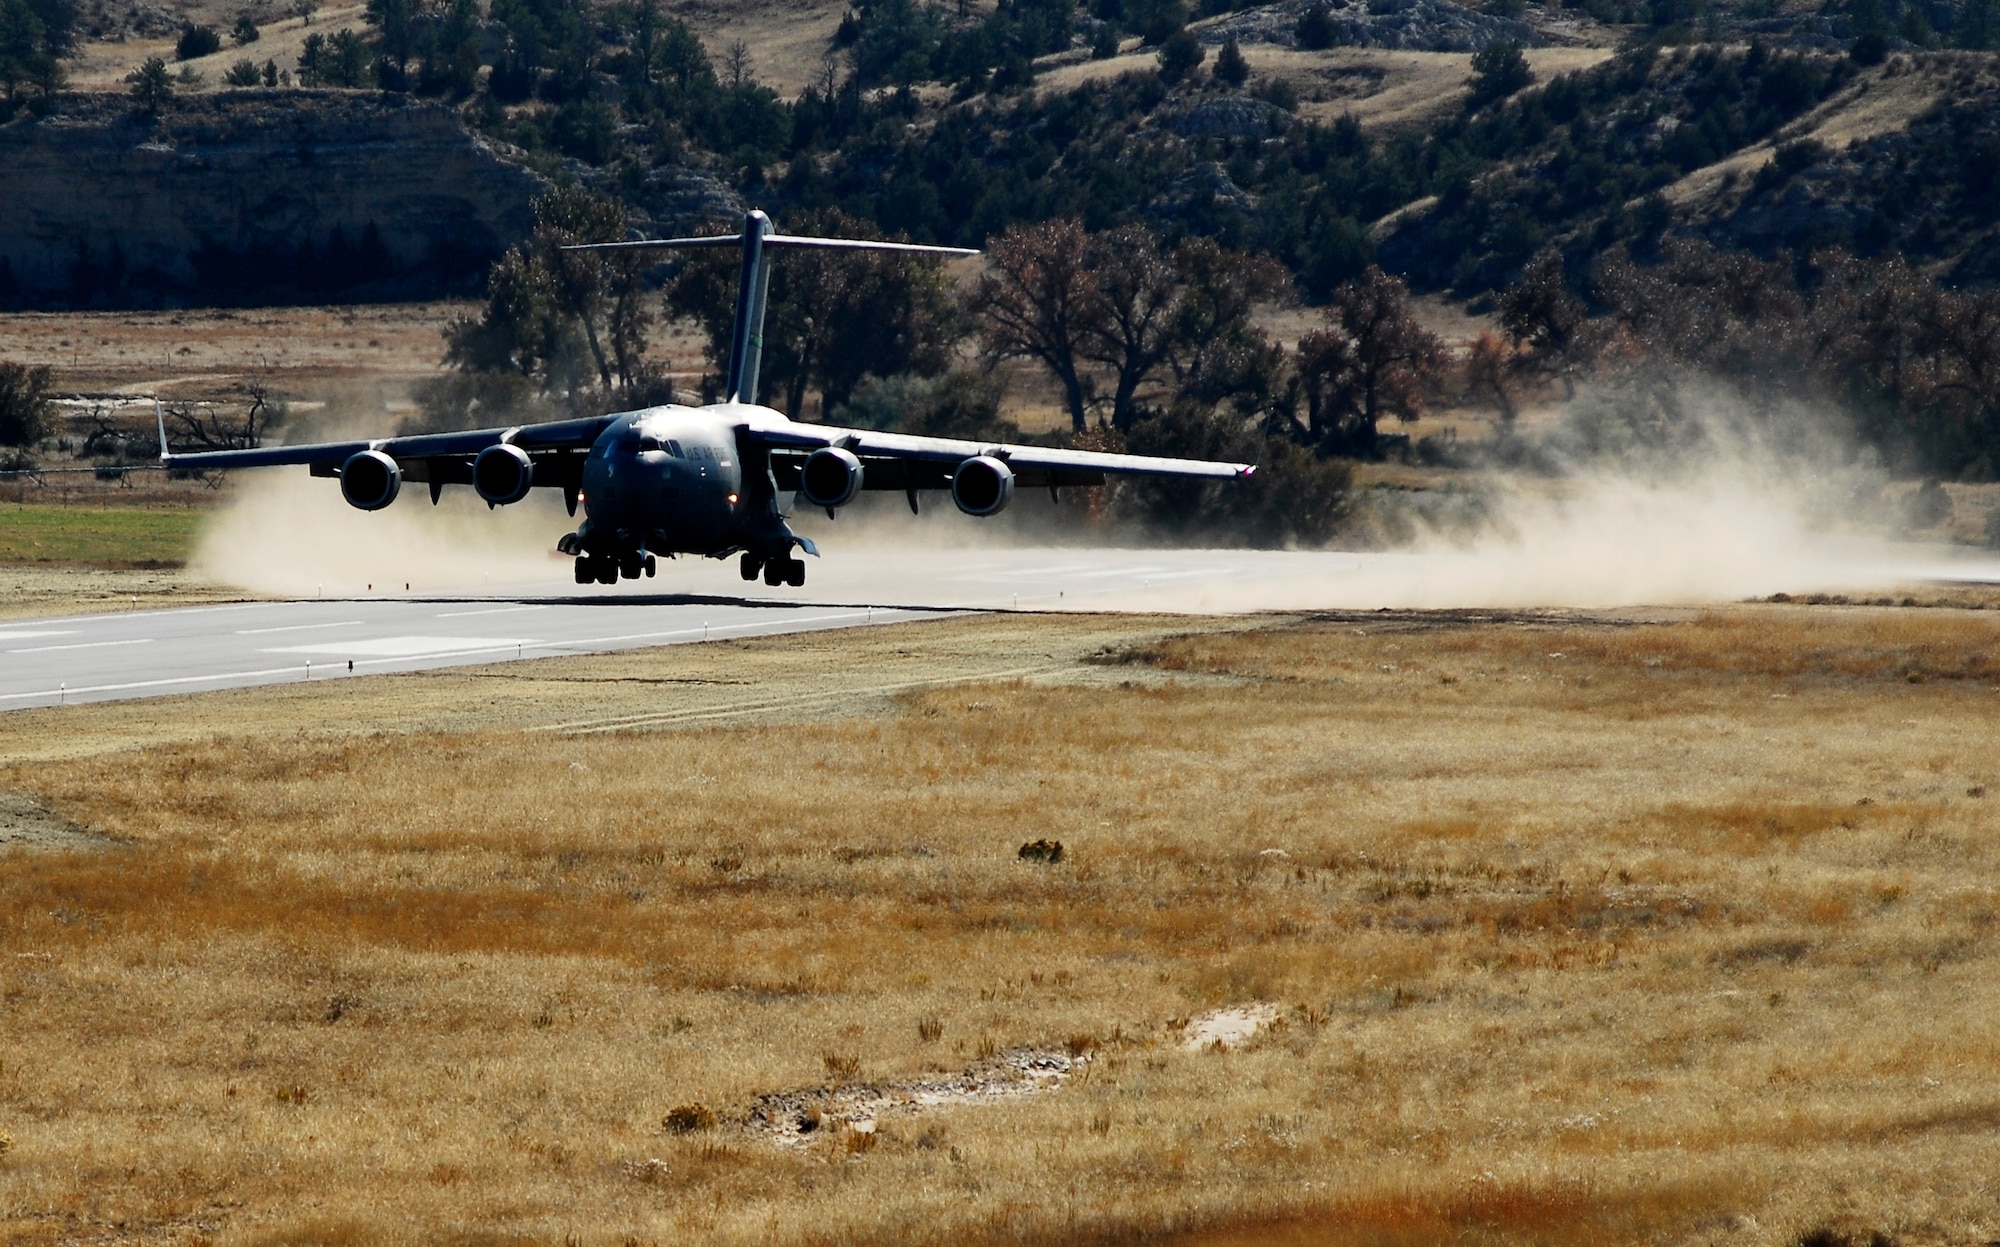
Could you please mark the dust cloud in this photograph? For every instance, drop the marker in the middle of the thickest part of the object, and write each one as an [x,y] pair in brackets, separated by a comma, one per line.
[292,535]
[1604,508]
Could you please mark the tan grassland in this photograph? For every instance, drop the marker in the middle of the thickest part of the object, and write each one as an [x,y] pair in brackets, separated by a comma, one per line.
[1879,101]
[1581,929]
[42,593]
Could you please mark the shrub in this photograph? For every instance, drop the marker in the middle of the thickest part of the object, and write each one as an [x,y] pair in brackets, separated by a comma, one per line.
[1180,54]
[1928,506]
[688,1118]
[1047,852]
[1316,30]
[1498,70]
[245,31]
[25,405]
[1230,67]
[197,41]
[244,73]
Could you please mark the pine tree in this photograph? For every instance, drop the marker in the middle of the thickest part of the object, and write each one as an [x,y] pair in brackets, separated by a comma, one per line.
[1230,67]
[152,86]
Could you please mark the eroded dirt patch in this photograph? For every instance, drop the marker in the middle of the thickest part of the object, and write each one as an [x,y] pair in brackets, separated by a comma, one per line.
[26,826]
[798,1118]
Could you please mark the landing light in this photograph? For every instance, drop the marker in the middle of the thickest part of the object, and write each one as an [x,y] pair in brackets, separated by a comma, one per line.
[732,500]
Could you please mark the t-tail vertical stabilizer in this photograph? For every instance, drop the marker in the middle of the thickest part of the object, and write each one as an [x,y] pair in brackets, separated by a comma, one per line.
[746,335]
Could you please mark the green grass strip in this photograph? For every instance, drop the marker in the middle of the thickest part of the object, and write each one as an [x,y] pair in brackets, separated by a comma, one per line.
[43,534]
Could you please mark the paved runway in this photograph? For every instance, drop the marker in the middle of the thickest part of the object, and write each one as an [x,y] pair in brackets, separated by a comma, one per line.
[112,656]
[156,652]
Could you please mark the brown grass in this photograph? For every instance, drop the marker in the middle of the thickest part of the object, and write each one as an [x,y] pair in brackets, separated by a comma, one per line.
[1684,935]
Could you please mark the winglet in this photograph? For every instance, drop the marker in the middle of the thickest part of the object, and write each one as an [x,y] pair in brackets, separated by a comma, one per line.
[1248,469]
[160,417]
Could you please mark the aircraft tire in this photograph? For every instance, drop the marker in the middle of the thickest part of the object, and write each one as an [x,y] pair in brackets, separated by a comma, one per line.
[629,567]
[585,573]
[774,573]
[751,565]
[651,566]
[795,573]
[607,571]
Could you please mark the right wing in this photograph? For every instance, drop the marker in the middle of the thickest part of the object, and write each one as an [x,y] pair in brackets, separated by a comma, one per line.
[557,448]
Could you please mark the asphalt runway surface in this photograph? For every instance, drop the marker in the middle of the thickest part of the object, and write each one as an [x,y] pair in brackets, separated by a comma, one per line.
[147,653]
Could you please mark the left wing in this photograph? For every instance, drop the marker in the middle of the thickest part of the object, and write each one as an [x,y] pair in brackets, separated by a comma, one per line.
[906,461]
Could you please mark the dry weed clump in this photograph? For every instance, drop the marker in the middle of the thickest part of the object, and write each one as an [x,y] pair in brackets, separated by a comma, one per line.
[1578,949]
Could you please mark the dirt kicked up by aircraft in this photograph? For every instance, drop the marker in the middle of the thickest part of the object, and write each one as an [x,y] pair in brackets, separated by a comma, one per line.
[711,481]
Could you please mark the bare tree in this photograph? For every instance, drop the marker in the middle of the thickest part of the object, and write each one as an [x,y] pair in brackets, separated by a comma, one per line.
[585,282]
[1540,313]
[1131,325]
[207,426]
[736,64]
[1489,371]
[1038,302]
[1372,360]
[1219,351]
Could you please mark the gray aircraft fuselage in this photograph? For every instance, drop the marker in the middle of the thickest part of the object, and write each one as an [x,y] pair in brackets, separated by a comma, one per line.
[671,481]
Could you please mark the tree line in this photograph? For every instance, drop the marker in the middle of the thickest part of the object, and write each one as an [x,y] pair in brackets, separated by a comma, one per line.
[1153,346]
[1913,363]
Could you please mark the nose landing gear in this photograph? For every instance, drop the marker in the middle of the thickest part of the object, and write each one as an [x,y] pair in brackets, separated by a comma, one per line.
[605,569]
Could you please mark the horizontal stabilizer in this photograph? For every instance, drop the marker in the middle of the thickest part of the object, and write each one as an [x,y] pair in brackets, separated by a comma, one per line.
[772,240]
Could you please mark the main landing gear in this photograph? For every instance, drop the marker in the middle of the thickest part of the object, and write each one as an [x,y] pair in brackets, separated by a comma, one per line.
[783,570]
[606,569]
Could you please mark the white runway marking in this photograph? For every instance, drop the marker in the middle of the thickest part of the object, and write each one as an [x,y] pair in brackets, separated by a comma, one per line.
[407,646]
[493,610]
[47,649]
[345,623]
[30,636]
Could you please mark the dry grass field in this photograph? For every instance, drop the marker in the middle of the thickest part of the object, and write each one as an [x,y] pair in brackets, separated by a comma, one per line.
[1560,928]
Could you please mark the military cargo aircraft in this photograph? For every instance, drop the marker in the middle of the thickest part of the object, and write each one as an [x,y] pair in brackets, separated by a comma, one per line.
[715,481]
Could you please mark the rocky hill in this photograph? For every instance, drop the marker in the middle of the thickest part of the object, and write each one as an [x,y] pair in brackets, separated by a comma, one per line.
[251,193]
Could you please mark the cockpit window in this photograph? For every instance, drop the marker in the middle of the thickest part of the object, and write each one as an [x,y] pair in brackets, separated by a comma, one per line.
[674,449]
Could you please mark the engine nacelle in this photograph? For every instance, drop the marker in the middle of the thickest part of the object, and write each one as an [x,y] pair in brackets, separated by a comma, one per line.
[370,480]
[503,474]
[831,477]
[982,486]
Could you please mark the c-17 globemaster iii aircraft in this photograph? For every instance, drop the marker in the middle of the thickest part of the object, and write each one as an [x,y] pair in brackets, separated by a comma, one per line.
[713,481]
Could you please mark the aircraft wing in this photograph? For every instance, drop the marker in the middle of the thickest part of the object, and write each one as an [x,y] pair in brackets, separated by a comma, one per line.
[560,435]
[558,449]
[906,461]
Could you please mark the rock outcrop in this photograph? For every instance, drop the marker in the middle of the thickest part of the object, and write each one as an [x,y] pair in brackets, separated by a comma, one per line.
[248,194]
[1415,25]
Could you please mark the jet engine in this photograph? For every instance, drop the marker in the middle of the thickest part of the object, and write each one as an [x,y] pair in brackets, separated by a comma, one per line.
[982,486]
[502,474]
[831,477]
[370,480]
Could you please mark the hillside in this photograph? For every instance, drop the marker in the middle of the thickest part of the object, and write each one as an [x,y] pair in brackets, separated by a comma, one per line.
[1387,133]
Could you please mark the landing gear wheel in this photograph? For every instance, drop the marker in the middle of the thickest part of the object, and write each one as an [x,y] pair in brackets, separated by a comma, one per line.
[586,570]
[650,567]
[751,565]
[607,571]
[795,573]
[774,572]
[629,566]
